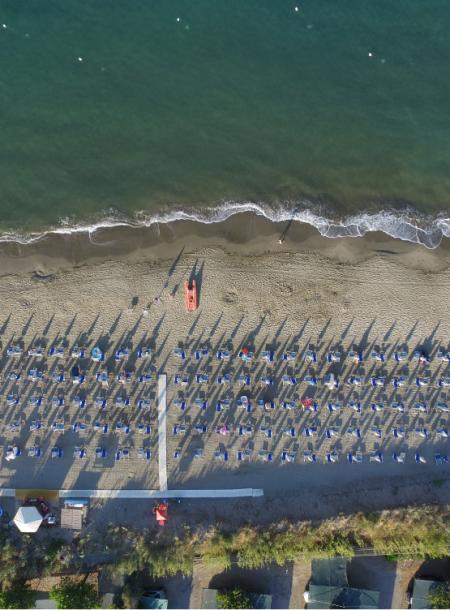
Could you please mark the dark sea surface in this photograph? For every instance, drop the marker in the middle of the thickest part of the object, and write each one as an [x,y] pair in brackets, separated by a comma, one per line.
[337,114]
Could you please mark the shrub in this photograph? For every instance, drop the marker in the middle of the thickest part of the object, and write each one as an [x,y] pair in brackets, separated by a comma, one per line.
[73,594]
[233,598]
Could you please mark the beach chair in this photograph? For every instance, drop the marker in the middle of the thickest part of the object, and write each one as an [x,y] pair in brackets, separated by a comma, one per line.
[180,404]
[289,356]
[12,400]
[221,456]
[439,459]
[79,427]
[421,356]
[57,401]
[355,405]
[102,377]
[399,382]
[57,426]
[35,375]
[354,458]
[144,429]
[36,352]
[223,354]
[78,401]
[126,452]
[334,406]
[332,431]
[200,428]
[245,355]
[144,403]
[268,356]
[331,381]
[146,378]
[443,356]
[355,356]
[289,405]
[198,453]
[289,380]
[122,354]
[377,356]
[100,427]
[442,432]
[377,381]
[144,352]
[79,453]
[309,456]
[353,432]
[101,453]
[243,455]
[14,351]
[422,381]
[288,457]
[244,379]
[56,352]
[400,457]
[334,356]
[266,431]
[376,431]
[201,353]
[118,455]
[34,452]
[265,456]
[101,402]
[420,407]
[376,456]
[144,454]
[36,425]
[122,401]
[13,376]
[177,454]
[310,356]
[224,379]
[97,355]
[398,432]
[181,380]
[398,406]
[178,352]
[35,401]
[201,378]
[354,380]
[266,380]
[223,404]
[178,429]
[56,452]
[267,405]
[288,431]
[77,352]
[377,406]
[201,404]
[419,459]
[400,356]
[332,457]
[14,426]
[444,382]
[310,431]
[310,380]
[243,403]
[443,407]
[247,430]
[421,432]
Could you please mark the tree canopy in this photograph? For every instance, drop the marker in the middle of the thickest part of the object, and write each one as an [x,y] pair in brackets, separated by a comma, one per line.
[18,596]
[439,597]
[73,594]
[233,598]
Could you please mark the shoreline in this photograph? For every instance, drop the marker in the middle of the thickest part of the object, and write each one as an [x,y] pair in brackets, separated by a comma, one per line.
[243,234]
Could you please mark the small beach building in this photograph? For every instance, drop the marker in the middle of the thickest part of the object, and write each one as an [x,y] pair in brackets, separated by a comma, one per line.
[421,590]
[329,587]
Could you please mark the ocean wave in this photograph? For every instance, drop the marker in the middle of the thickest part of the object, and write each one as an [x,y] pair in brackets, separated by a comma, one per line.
[406,225]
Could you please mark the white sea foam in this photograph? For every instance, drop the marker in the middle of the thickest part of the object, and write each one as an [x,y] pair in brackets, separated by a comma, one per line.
[407,226]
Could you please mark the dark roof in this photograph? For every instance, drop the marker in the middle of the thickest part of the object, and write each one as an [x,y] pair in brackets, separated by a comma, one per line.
[331,572]
[342,597]
[421,590]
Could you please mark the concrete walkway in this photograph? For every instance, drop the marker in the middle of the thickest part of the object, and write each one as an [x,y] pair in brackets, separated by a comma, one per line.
[162,430]
[155,493]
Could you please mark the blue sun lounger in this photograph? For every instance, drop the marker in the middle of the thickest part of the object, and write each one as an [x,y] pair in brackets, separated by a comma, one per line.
[243,455]
[288,456]
[310,356]
[310,380]
[57,452]
[36,424]
[246,430]
[356,432]
[355,356]
[265,456]
[224,379]
[77,352]
[35,452]
[179,353]
[398,406]
[101,453]
[288,431]
[144,429]
[266,431]
[332,457]
[202,404]
[419,459]
[146,378]
[334,356]
[334,406]
[377,356]
[101,402]
[440,459]
[244,379]
[376,456]
[144,403]
[144,454]
[399,382]
[12,400]
[400,457]
[221,456]
[268,356]
[180,404]
[398,432]
[57,426]
[35,401]
[400,356]
[355,405]
[144,352]
[309,456]
[332,431]
[201,353]
[289,356]
[201,378]
[354,458]
[200,428]
[222,404]
[289,405]
[223,355]
[443,407]
[310,431]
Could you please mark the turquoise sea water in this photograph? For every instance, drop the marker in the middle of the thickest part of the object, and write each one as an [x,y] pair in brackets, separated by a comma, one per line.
[340,107]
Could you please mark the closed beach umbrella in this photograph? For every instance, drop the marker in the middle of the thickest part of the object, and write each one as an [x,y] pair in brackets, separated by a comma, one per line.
[28,519]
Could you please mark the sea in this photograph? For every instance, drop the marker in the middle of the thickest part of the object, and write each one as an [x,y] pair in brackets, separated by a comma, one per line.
[334,113]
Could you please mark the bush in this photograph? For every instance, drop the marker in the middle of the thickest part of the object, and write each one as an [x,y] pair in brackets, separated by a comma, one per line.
[19,596]
[73,594]
[233,598]
[440,596]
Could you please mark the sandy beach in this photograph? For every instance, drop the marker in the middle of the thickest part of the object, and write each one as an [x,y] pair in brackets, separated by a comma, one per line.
[370,292]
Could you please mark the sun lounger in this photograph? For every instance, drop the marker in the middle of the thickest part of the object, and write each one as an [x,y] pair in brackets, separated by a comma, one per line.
[398,432]
[377,406]
[57,426]
[57,452]
[400,458]
[376,431]
[354,380]
[99,427]
[118,455]
[354,405]
[399,382]
[144,403]
[35,400]
[332,457]
[102,377]
[310,356]
[309,456]
[223,404]
[77,352]
[377,356]
[14,426]
[201,378]
[444,382]
[398,406]
[422,381]
[201,353]
[355,356]
[34,452]
[245,355]
[400,356]
[101,402]
[244,379]
[334,357]
[13,376]
[122,401]
[421,407]
[146,378]
[198,454]
[144,429]
[332,431]
[221,456]
[79,427]
[181,380]
[288,456]
[266,431]
[144,352]
[377,381]
[12,400]
[289,405]
[36,425]
[443,407]
[331,381]
[376,456]
[289,380]
[421,356]
[144,454]
[355,458]
[122,354]
[180,404]
[179,429]
[443,356]
[79,453]
[243,455]
[419,459]
[288,431]
[334,406]
[200,428]
[265,456]
[442,432]
[97,355]
[179,353]
[223,354]
[310,380]
[246,430]
[57,401]
[14,351]
[439,459]
[36,352]
[126,452]
[268,356]
[56,352]
[356,432]
[310,431]
[35,375]
[127,377]
[289,356]
[201,404]
[224,379]
[266,380]
[177,454]
[422,432]
[101,453]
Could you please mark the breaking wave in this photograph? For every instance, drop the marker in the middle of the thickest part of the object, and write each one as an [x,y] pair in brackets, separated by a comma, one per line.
[406,225]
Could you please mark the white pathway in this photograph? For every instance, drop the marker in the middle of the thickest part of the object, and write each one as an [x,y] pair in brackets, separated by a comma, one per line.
[162,429]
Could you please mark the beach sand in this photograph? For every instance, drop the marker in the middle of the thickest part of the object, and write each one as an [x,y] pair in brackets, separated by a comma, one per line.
[371,291]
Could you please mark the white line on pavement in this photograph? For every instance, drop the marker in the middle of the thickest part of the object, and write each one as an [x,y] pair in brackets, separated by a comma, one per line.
[162,426]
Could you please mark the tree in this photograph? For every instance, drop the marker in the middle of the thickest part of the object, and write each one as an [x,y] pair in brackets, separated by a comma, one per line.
[18,596]
[74,594]
[439,597]
[233,598]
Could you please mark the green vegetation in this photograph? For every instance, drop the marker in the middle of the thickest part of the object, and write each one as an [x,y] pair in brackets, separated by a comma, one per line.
[233,598]
[440,596]
[19,596]
[73,594]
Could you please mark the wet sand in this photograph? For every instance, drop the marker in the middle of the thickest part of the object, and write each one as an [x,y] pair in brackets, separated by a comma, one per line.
[253,291]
